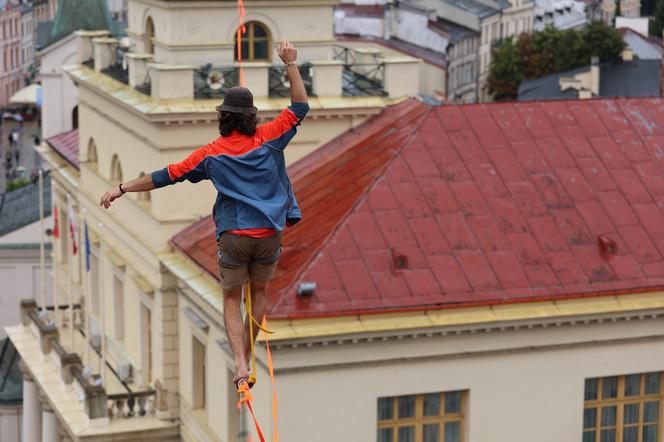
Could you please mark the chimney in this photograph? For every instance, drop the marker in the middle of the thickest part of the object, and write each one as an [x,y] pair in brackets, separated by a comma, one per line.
[594,75]
[627,54]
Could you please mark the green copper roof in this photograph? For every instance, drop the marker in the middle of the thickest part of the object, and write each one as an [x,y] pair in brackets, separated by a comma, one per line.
[72,15]
[11,380]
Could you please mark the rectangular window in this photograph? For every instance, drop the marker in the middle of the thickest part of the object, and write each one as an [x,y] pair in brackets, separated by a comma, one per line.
[433,417]
[199,372]
[623,408]
[118,303]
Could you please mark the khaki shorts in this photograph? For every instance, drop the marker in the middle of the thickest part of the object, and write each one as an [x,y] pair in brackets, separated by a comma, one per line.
[243,258]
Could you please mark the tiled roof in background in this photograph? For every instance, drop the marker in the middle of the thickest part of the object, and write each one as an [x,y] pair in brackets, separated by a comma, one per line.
[66,145]
[20,207]
[488,204]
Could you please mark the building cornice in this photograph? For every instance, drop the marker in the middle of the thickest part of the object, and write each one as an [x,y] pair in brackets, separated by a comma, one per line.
[203,111]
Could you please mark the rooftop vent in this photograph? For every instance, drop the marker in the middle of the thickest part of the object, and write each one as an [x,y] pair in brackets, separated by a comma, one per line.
[399,260]
[607,247]
[306,289]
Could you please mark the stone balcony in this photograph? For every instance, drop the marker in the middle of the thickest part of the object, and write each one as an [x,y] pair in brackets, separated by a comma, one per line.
[346,73]
[62,401]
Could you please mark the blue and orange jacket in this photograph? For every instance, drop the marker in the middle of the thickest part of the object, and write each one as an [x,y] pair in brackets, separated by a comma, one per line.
[249,173]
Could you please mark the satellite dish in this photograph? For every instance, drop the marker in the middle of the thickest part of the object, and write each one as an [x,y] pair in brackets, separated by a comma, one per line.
[215,80]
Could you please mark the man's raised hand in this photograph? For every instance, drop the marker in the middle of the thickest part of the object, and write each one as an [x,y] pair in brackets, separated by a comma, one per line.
[287,52]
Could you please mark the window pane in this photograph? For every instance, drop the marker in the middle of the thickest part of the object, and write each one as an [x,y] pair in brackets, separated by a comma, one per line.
[453,402]
[652,383]
[385,408]
[259,31]
[608,436]
[589,436]
[453,431]
[650,411]
[431,433]
[608,416]
[261,50]
[609,387]
[407,434]
[432,404]
[385,435]
[650,433]
[406,406]
[633,385]
[631,434]
[591,389]
[632,413]
[589,417]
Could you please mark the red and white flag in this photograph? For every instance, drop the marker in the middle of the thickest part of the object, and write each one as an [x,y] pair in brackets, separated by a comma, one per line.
[72,226]
[56,222]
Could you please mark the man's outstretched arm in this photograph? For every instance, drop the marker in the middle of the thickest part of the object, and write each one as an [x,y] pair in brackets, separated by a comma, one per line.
[191,169]
[288,55]
[142,184]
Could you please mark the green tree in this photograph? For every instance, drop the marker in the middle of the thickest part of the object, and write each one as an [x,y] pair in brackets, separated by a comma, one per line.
[506,71]
[551,50]
[657,22]
[602,41]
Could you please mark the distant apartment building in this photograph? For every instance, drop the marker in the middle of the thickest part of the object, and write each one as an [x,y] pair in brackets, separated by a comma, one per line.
[10,50]
[628,8]
[28,28]
[468,30]
[561,14]
[44,10]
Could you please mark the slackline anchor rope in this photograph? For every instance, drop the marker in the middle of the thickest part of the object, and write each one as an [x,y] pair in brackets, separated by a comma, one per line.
[244,385]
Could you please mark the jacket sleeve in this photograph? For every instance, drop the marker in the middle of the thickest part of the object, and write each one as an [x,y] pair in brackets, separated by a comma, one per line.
[281,130]
[191,169]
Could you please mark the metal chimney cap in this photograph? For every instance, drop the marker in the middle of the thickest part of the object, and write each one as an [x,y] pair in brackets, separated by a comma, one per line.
[306,289]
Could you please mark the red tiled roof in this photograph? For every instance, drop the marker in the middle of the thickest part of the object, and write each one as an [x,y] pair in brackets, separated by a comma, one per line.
[66,145]
[488,203]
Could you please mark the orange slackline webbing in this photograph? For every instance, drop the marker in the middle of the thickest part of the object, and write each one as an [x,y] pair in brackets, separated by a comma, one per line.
[242,29]
[243,388]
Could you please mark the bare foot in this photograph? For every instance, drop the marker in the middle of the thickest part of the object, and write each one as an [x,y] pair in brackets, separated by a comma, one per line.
[240,374]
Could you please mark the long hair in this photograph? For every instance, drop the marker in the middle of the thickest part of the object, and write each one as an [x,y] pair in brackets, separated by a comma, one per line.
[245,123]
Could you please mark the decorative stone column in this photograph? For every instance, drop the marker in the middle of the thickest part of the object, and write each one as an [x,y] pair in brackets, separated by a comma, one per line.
[50,432]
[168,81]
[32,419]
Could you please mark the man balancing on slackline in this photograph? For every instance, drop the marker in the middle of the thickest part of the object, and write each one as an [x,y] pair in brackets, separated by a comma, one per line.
[254,203]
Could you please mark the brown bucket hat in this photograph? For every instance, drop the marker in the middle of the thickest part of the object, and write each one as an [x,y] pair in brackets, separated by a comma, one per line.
[238,100]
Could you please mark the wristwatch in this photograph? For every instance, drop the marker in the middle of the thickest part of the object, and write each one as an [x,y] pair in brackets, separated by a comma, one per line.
[292,63]
[120,187]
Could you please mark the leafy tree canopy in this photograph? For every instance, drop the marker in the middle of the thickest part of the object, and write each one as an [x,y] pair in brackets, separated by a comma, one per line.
[549,51]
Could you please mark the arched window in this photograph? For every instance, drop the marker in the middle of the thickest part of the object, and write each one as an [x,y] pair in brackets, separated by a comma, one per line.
[255,42]
[116,169]
[143,196]
[92,153]
[149,36]
[74,118]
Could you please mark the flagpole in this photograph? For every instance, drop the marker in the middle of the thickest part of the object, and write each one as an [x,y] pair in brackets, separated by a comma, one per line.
[71,271]
[88,290]
[54,255]
[42,260]
[102,307]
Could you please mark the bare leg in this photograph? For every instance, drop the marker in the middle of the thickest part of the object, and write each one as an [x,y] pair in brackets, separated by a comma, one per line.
[235,331]
[258,304]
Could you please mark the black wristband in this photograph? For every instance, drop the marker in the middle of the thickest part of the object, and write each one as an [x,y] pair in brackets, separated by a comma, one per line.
[120,187]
